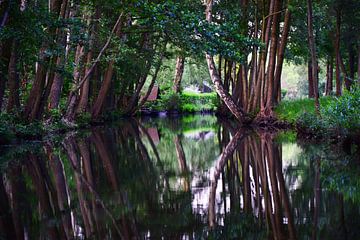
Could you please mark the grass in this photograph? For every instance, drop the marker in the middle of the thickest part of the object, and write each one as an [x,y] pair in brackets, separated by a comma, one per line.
[339,116]
[291,110]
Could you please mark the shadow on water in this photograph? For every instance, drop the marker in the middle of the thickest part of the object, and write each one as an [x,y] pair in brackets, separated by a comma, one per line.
[189,178]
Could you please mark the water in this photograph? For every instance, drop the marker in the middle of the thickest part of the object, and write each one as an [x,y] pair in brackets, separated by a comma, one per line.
[194,177]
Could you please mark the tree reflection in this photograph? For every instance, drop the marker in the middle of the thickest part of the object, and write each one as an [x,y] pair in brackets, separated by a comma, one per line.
[117,183]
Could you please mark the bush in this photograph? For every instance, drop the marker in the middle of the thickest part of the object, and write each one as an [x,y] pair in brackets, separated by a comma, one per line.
[12,126]
[199,102]
[171,101]
[6,133]
[185,102]
[310,123]
[344,112]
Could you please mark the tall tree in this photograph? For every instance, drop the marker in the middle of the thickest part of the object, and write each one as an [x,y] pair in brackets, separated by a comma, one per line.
[314,61]
[238,112]
[179,71]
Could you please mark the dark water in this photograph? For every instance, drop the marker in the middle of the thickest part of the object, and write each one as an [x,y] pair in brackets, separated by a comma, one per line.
[190,178]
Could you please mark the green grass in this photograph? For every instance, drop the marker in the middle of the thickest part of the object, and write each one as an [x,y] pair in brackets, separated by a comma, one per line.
[291,110]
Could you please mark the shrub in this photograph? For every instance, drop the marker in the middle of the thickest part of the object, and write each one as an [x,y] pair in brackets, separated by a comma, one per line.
[310,123]
[344,112]
[171,101]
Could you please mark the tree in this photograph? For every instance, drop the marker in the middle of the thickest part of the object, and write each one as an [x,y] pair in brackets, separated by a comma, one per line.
[314,61]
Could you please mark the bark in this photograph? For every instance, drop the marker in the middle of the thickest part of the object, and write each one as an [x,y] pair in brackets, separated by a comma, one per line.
[179,70]
[312,47]
[13,80]
[329,78]
[142,79]
[310,81]
[337,51]
[34,101]
[281,53]
[338,77]
[56,86]
[265,37]
[84,94]
[105,86]
[238,112]
[351,66]
[268,112]
[152,83]
[72,99]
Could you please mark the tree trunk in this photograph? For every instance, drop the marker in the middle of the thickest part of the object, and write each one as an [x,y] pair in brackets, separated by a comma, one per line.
[337,51]
[281,53]
[84,93]
[312,46]
[329,77]
[72,99]
[268,111]
[85,89]
[310,81]
[152,83]
[179,70]
[34,101]
[13,81]
[219,87]
[105,86]
[351,66]
[265,38]
[56,86]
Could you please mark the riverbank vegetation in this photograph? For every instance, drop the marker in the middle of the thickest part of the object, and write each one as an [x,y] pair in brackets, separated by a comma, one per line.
[66,63]
[338,117]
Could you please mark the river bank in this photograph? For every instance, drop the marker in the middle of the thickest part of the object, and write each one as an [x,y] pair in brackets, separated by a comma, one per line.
[338,119]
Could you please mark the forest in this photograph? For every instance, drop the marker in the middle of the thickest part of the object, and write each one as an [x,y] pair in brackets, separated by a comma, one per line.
[68,61]
[192,119]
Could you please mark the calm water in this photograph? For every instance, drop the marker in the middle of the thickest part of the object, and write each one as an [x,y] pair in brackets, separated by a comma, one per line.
[191,178]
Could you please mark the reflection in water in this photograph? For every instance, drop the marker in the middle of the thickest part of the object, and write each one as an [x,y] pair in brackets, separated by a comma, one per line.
[175,179]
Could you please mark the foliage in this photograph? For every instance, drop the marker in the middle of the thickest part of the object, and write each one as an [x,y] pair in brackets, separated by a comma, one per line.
[339,116]
[312,124]
[199,102]
[291,110]
[186,102]
[12,126]
[344,112]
